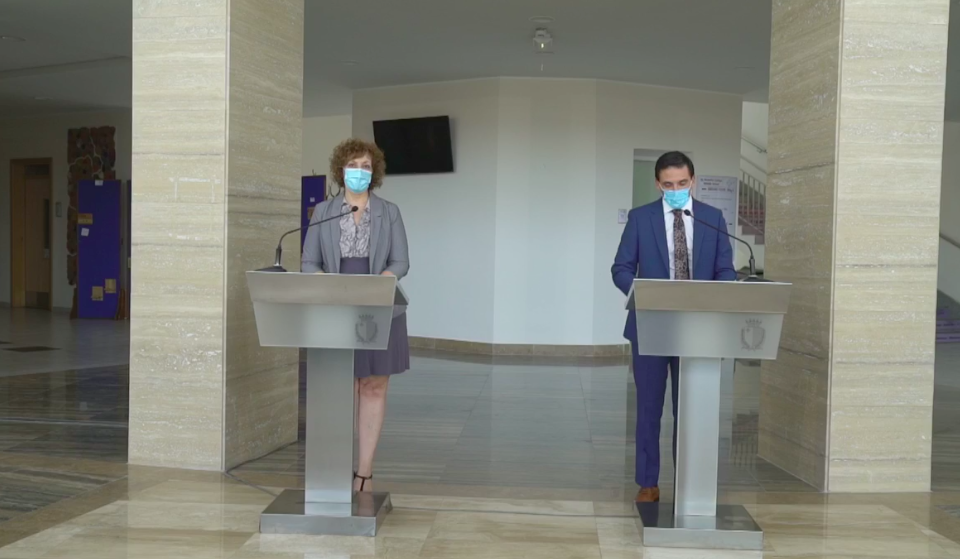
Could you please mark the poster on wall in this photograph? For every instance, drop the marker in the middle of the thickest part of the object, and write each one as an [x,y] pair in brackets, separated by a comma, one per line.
[312,192]
[722,193]
[99,241]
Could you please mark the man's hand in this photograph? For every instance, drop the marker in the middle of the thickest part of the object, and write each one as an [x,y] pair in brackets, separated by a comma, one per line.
[387,273]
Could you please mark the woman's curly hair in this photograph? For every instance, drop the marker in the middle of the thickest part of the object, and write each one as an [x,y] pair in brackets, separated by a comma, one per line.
[351,149]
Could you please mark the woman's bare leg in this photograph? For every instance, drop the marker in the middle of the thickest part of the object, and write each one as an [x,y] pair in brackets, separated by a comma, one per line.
[372,408]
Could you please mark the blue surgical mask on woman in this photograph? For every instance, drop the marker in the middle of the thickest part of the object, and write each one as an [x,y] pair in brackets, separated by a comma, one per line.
[357,180]
[677,199]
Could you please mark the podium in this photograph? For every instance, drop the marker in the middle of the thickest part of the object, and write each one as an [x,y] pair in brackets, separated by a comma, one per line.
[701,322]
[330,315]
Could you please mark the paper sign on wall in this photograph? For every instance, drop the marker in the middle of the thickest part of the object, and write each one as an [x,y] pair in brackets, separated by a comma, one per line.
[85,219]
[110,286]
[84,232]
[721,193]
[97,293]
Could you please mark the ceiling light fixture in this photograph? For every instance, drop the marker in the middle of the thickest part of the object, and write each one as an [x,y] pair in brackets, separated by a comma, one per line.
[350,62]
[42,98]
[541,20]
[12,38]
[542,40]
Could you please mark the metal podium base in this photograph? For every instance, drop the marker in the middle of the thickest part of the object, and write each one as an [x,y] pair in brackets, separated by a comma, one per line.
[289,514]
[732,528]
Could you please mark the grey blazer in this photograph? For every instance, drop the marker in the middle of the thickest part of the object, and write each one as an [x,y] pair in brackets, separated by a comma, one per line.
[388,239]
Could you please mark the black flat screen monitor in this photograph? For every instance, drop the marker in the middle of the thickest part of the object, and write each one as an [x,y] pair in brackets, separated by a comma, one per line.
[415,146]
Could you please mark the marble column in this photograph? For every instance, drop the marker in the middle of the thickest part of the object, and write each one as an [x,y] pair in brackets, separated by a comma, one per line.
[855,143]
[217,125]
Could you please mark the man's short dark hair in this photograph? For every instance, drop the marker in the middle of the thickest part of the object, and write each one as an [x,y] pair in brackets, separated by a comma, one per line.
[675,159]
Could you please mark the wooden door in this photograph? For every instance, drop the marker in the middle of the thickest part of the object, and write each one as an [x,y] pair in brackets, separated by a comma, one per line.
[32,232]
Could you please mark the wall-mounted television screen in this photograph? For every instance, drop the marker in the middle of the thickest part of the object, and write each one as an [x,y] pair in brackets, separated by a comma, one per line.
[415,146]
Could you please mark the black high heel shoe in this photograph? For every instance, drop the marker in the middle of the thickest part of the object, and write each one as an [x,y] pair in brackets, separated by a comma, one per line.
[363,480]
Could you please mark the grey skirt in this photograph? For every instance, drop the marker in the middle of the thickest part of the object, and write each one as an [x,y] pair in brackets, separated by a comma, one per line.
[391,361]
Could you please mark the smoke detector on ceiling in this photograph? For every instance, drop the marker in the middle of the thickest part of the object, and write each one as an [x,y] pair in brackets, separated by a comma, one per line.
[543,40]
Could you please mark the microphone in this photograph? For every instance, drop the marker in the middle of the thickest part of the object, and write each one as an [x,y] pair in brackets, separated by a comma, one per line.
[753,268]
[276,262]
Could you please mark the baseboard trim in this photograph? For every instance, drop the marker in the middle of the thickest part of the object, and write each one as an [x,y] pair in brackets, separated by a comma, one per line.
[538,350]
[512,350]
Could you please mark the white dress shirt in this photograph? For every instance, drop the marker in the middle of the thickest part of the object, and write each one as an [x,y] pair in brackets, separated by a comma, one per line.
[668,218]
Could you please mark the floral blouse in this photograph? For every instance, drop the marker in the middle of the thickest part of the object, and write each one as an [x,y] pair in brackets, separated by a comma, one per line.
[354,237]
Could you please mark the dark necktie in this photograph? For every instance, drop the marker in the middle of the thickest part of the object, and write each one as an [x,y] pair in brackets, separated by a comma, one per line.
[681,260]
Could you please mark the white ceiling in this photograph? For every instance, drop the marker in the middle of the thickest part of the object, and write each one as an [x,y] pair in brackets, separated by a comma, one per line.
[77,52]
[695,44]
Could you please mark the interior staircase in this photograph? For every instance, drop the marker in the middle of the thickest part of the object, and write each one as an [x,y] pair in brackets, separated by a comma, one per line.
[752,219]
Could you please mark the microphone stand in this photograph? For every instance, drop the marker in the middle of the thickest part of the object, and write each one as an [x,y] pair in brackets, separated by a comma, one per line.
[752,278]
[277,267]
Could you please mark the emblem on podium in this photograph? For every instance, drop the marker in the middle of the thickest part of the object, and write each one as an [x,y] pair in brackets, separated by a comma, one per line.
[366,329]
[752,335]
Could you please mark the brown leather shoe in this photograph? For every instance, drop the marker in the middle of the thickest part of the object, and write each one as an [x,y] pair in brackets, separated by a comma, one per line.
[648,495]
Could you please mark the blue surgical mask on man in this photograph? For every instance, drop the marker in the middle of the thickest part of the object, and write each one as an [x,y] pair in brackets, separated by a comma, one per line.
[677,199]
[357,180]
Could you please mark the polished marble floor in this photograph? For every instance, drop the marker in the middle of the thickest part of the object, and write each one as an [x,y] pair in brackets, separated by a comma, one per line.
[485,458]
[169,513]
[530,422]
[59,344]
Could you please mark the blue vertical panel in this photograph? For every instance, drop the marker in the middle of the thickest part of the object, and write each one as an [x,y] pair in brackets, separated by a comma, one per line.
[312,191]
[98,248]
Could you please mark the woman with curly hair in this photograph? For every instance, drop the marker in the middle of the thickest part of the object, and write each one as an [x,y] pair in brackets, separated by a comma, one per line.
[371,240]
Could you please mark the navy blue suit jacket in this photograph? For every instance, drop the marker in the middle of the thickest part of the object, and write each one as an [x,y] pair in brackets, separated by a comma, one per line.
[643,251]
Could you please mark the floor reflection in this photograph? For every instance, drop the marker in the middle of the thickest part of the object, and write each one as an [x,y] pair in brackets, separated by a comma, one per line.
[519,422]
[521,431]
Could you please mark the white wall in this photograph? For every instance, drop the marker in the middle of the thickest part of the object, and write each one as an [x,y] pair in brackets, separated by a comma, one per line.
[545,219]
[47,137]
[320,136]
[949,271]
[754,134]
[950,186]
[755,122]
[450,218]
[516,245]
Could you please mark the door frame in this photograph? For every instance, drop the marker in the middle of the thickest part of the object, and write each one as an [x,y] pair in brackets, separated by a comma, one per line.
[18,295]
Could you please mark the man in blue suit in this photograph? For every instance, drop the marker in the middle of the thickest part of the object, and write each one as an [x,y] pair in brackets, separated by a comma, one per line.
[661,242]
